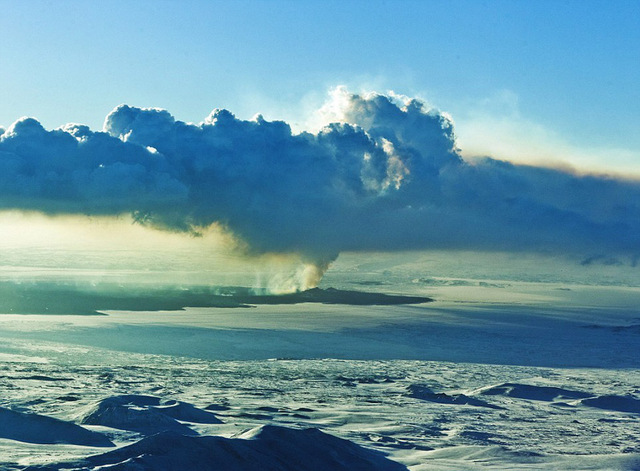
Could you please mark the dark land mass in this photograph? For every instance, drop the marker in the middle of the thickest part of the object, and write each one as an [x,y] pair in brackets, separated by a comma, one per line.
[333,296]
[51,298]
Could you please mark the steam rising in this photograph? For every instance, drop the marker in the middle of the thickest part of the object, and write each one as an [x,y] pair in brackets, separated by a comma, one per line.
[282,278]
[385,174]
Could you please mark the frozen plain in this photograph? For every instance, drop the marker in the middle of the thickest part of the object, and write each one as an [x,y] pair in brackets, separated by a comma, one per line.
[534,367]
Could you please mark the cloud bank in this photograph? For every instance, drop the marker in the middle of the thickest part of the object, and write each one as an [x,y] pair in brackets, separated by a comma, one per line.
[386,175]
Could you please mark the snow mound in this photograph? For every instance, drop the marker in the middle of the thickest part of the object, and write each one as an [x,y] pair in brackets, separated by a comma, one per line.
[146,414]
[35,428]
[267,448]
[536,393]
[615,403]
[424,393]
[310,449]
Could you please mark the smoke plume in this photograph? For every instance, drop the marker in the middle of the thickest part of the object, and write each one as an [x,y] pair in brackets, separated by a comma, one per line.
[385,175]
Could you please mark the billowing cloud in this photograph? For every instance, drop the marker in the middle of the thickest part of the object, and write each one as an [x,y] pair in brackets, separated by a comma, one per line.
[387,175]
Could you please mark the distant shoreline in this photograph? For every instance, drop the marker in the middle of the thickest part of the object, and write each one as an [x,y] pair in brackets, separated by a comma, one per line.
[50,298]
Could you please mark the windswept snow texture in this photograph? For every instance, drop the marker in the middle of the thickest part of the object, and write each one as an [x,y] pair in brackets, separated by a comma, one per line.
[497,373]
[386,176]
[36,428]
[426,394]
[367,403]
[268,448]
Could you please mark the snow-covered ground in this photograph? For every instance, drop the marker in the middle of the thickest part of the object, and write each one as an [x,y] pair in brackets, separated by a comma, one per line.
[527,368]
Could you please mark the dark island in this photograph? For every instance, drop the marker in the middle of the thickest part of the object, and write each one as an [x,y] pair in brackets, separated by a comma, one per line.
[52,298]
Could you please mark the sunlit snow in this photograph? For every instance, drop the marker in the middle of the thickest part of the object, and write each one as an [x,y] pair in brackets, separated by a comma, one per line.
[520,371]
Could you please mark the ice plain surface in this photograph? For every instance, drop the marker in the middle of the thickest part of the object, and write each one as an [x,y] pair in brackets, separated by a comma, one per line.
[496,373]
[371,403]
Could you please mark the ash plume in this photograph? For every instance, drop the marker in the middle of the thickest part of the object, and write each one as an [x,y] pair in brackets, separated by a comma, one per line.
[385,175]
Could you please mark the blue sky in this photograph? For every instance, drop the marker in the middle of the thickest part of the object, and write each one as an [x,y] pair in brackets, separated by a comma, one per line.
[552,81]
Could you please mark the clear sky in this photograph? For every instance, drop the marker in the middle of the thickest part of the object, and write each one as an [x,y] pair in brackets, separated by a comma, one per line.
[542,80]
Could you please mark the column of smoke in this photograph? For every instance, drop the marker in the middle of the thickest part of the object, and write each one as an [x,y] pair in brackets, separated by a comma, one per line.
[281,277]
[385,174]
